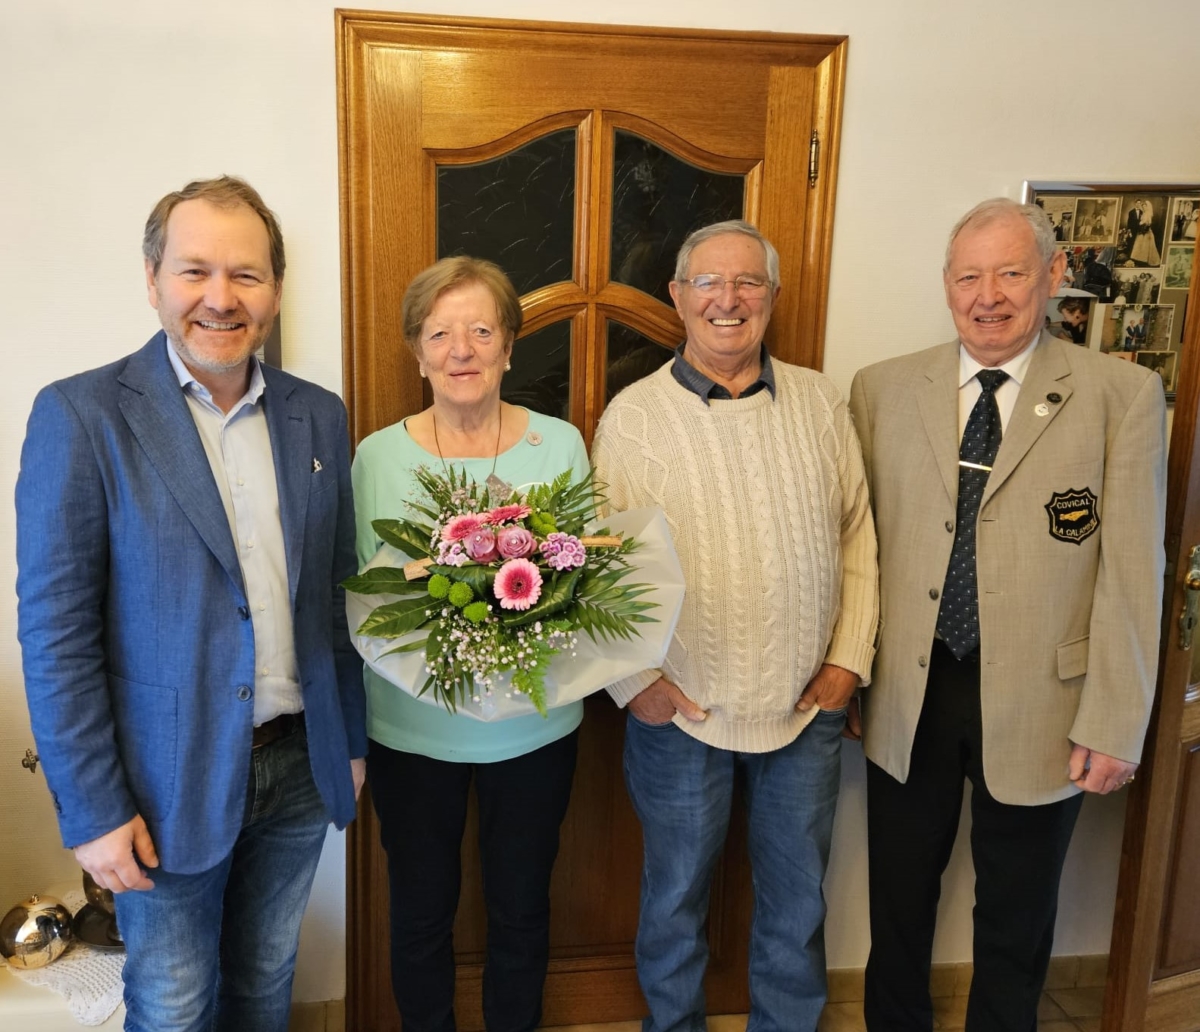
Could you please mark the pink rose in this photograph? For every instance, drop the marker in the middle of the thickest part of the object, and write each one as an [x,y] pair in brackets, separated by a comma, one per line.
[481,545]
[515,543]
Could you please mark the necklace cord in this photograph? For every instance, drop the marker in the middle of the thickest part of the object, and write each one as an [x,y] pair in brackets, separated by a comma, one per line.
[438,444]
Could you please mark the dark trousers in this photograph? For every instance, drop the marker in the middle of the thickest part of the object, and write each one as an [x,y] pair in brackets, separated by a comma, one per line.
[1018,852]
[422,809]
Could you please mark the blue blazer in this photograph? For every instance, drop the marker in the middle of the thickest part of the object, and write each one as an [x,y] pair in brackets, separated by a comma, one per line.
[136,639]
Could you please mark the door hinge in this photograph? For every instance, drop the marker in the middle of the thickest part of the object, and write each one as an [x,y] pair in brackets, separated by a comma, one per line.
[814,158]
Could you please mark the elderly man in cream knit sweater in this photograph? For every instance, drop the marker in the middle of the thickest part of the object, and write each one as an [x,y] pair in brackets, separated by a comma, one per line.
[758,468]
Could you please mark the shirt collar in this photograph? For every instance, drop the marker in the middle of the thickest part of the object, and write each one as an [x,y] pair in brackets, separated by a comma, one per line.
[189,383]
[1017,367]
[687,375]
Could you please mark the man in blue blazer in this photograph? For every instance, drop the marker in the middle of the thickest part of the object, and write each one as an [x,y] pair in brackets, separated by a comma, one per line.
[184,519]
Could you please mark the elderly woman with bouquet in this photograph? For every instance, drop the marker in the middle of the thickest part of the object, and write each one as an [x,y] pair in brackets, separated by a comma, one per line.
[460,318]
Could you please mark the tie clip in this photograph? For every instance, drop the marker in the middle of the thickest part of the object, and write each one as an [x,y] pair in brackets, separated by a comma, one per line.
[975,465]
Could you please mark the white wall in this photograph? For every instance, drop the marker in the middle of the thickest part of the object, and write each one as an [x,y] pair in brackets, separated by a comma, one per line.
[107,106]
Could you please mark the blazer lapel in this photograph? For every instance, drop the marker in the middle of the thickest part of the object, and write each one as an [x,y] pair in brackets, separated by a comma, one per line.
[937,399]
[157,414]
[290,426]
[1049,372]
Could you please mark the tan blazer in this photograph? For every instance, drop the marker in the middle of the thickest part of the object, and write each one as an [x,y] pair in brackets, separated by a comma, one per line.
[1069,556]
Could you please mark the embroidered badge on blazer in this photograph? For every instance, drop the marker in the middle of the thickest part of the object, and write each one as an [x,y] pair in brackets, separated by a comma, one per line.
[1073,515]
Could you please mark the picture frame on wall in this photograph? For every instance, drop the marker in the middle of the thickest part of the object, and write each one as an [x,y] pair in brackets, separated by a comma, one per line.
[1130,250]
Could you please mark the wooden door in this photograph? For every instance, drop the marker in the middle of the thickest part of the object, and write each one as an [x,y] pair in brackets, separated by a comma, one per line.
[1154,962]
[577,157]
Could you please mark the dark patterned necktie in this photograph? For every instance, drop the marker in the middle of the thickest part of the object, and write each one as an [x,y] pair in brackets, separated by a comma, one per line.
[958,617]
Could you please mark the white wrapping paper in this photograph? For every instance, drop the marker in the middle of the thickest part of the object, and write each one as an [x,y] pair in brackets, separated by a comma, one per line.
[570,677]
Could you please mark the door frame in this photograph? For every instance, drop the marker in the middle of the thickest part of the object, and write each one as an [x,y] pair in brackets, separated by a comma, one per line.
[1134,999]
[375,399]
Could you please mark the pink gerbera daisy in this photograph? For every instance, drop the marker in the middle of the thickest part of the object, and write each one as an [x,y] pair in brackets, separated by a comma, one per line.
[518,584]
[504,513]
[462,527]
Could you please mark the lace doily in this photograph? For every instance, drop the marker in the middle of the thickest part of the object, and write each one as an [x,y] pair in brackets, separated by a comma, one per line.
[87,978]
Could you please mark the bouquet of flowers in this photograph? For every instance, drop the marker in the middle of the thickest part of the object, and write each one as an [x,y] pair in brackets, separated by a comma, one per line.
[499,588]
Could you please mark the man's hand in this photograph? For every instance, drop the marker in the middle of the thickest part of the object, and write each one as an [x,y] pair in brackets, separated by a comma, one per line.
[1096,772]
[116,859]
[831,688]
[358,771]
[659,702]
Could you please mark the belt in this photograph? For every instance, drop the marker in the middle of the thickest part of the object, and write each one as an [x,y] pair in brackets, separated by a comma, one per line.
[280,727]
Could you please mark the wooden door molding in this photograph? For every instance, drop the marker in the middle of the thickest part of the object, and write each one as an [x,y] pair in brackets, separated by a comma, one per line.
[416,93]
[1142,992]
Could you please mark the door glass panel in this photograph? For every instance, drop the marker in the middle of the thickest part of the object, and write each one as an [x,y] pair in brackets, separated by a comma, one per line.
[517,210]
[540,378]
[631,355]
[658,199]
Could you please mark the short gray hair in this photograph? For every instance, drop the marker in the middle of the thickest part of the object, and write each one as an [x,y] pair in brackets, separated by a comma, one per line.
[997,208]
[739,226]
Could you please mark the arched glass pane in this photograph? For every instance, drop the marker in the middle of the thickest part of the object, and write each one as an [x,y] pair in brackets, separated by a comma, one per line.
[517,210]
[540,378]
[658,199]
[631,355]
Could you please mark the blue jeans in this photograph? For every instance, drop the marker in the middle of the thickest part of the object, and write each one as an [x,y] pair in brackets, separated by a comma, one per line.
[215,951]
[682,790]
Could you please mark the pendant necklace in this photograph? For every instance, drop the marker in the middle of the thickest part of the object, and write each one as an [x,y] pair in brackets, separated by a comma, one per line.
[497,488]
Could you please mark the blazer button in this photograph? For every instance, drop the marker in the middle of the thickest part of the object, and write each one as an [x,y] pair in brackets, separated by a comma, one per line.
[244,692]
[950,526]
[922,661]
[933,593]
[244,612]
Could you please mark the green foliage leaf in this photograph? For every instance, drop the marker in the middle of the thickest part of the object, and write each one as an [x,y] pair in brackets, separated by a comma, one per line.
[383,580]
[404,535]
[479,577]
[398,618]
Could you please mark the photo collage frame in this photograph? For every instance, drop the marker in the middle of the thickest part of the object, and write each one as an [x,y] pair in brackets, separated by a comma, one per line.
[1130,251]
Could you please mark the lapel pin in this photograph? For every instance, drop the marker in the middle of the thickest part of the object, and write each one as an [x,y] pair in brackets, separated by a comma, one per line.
[1041,409]
[1054,397]
[317,467]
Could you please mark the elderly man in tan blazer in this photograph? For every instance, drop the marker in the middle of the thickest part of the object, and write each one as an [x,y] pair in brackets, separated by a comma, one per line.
[1018,484]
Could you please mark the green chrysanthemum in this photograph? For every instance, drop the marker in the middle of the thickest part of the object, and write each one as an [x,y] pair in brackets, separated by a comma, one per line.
[476,612]
[460,594]
[439,586]
[542,523]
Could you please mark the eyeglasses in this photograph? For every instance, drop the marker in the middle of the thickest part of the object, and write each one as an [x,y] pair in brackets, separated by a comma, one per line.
[710,285]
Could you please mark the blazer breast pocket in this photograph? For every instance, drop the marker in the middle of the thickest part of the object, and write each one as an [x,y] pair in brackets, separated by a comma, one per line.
[147,731]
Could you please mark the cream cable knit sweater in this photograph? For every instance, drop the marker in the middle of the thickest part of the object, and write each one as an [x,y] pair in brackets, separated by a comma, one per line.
[768,506]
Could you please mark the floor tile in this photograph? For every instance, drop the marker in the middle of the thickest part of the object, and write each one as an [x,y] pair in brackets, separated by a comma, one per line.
[1093,971]
[942,979]
[842,1017]
[845,985]
[1063,973]
[1080,1003]
[618,1026]
[950,1012]
[1048,1010]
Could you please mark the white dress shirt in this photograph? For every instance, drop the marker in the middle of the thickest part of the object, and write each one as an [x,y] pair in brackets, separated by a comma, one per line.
[238,446]
[969,388]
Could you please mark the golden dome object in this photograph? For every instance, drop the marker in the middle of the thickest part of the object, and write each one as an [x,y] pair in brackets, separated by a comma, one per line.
[35,932]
